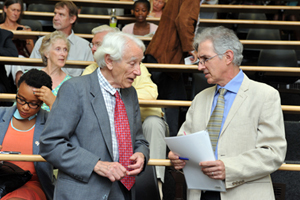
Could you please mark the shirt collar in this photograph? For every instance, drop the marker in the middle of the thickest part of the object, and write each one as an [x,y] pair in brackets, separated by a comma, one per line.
[105,84]
[234,84]
[71,37]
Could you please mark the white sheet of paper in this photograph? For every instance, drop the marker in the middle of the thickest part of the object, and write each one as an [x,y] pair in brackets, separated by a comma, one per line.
[188,61]
[197,148]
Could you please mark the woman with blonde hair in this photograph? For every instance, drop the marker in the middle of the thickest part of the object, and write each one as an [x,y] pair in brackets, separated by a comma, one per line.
[157,7]
[54,52]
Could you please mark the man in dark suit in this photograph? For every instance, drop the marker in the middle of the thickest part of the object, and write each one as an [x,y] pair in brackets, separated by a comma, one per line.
[7,48]
[80,137]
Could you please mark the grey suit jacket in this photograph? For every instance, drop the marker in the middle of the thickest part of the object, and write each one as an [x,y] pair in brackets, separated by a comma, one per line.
[43,169]
[252,141]
[77,135]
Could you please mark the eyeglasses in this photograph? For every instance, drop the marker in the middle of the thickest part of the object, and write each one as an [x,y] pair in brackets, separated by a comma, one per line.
[97,44]
[23,102]
[202,61]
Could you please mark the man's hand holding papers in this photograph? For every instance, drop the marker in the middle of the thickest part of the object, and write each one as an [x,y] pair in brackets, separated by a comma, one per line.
[202,171]
[213,169]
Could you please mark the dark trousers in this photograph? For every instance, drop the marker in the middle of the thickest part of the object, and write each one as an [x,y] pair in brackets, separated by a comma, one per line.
[117,190]
[170,89]
[210,195]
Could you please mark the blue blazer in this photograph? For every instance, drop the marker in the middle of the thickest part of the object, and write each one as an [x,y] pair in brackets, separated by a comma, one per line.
[43,169]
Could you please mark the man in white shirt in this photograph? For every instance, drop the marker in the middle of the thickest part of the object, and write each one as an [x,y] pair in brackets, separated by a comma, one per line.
[65,15]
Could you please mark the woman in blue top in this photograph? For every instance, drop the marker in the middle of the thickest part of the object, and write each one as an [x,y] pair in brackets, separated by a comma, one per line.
[54,52]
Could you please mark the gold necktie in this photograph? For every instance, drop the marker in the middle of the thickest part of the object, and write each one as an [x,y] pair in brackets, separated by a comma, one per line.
[215,121]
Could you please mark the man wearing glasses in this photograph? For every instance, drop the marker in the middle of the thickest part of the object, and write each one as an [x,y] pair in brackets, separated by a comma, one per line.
[250,140]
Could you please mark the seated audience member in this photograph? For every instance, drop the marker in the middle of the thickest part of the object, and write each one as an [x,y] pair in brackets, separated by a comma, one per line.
[154,126]
[10,20]
[11,17]
[65,16]
[157,8]
[100,148]
[141,26]
[208,15]
[20,129]
[243,118]
[54,50]
[7,48]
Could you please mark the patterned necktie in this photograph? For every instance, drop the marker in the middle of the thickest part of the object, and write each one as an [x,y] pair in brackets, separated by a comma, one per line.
[215,121]
[122,130]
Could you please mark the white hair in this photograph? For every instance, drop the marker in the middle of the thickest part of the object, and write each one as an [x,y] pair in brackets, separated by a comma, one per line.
[113,45]
[222,39]
[104,28]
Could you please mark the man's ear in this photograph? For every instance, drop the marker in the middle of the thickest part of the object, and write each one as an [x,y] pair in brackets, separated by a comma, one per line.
[229,55]
[108,61]
[72,19]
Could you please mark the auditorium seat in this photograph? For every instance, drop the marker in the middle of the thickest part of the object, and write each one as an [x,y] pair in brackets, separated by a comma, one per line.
[242,32]
[288,181]
[250,54]
[279,58]
[85,28]
[35,25]
[47,24]
[40,7]
[263,34]
[199,83]
[94,11]
[146,185]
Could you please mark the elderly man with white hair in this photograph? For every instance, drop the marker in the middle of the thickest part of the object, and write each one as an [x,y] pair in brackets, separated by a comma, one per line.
[93,134]
[155,128]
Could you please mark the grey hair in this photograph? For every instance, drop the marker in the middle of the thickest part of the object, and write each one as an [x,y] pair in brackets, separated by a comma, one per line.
[104,28]
[113,44]
[223,39]
[48,40]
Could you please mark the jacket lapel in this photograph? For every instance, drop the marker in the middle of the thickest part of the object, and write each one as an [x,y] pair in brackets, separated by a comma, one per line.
[98,104]
[39,126]
[4,123]
[241,96]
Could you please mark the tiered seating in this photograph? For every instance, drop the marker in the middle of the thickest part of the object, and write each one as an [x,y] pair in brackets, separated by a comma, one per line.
[253,43]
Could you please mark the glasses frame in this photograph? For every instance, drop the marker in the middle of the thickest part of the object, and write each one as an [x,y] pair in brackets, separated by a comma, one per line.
[97,44]
[202,62]
[18,99]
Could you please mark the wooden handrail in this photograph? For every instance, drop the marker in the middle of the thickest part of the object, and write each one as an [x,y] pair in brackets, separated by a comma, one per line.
[259,44]
[156,162]
[158,103]
[36,34]
[204,7]
[294,71]
[203,22]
